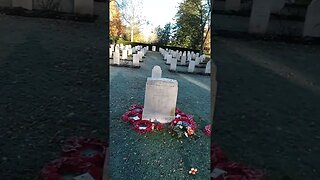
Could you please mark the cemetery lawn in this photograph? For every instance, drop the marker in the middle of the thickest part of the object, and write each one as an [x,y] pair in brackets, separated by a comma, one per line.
[268,106]
[157,155]
[53,86]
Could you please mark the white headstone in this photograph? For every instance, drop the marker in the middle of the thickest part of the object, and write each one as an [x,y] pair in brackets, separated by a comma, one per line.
[259,18]
[26,4]
[153,48]
[116,49]
[202,58]
[193,56]
[232,5]
[174,54]
[124,54]
[189,58]
[110,52]
[208,68]
[83,6]
[197,61]
[312,22]
[184,53]
[160,100]
[156,72]
[129,52]
[173,64]
[191,66]
[116,58]
[169,58]
[178,56]
[140,55]
[165,55]
[135,60]
[183,60]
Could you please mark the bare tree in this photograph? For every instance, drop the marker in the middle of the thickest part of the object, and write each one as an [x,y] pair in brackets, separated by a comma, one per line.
[132,16]
[206,22]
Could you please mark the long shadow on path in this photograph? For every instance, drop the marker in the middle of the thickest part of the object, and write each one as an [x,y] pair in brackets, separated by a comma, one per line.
[264,118]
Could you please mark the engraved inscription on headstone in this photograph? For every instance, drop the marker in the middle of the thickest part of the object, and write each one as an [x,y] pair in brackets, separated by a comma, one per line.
[160,100]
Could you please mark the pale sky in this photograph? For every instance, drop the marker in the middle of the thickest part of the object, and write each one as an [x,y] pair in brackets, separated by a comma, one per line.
[159,12]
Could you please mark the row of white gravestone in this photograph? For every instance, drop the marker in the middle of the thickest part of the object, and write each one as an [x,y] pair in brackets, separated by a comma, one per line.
[192,64]
[183,57]
[126,50]
[70,6]
[173,59]
[137,57]
[261,10]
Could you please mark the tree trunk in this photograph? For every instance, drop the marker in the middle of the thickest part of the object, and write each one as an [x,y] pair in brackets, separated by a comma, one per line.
[131,34]
[204,40]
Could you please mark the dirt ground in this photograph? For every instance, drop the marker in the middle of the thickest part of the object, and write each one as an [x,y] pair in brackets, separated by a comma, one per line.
[53,86]
[267,107]
[157,154]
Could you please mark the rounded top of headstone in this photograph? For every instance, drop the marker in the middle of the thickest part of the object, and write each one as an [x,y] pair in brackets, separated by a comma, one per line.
[156,72]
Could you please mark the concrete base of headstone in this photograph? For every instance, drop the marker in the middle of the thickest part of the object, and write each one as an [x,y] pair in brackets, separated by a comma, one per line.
[84,7]
[26,4]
